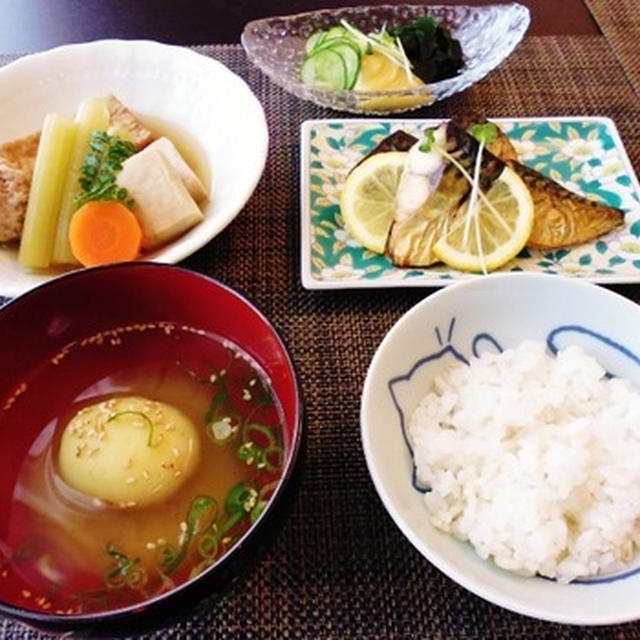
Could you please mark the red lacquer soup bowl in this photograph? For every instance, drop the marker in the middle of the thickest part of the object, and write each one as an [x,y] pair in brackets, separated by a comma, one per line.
[150,423]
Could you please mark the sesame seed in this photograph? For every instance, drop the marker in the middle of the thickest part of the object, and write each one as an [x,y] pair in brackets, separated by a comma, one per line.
[26,593]
[177,473]
[176,452]
[226,540]
[183,526]
[130,480]
[131,503]
[146,474]
[151,546]
[161,541]
[97,502]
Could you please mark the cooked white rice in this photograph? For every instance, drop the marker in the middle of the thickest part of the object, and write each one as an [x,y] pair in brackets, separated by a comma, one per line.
[535,459]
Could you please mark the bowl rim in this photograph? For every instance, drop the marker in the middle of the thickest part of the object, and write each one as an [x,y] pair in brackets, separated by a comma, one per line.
[439,561]
[70,622]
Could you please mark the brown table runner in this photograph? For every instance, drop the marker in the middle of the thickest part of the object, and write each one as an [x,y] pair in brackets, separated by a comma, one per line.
[619,21]
[339,568]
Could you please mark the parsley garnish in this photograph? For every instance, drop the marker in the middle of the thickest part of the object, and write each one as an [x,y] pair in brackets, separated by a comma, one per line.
[101,164]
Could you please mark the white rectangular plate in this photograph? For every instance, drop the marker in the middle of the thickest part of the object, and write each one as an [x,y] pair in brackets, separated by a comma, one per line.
[585,154]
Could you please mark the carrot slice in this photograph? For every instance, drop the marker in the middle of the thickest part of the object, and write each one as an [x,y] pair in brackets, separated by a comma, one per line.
[102,232]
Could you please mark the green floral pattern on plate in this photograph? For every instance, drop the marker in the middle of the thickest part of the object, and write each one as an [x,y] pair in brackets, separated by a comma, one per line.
[584,154]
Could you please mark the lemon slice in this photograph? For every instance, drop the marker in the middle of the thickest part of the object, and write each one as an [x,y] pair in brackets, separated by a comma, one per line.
[503,232]
[368,199]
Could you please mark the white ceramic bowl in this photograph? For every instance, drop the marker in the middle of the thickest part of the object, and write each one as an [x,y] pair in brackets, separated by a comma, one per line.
[188,91]
[467,318]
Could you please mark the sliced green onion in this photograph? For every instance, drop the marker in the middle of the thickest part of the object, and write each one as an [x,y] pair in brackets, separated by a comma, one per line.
[270,451]
[241,499]
[135,413]
[249,432]
[202,513]
[208,545]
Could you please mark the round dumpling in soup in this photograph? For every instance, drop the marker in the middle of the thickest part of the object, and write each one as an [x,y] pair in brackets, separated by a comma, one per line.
[128,451]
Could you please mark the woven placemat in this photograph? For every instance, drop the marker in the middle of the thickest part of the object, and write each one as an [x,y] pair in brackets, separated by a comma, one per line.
[619,21]
[339,568]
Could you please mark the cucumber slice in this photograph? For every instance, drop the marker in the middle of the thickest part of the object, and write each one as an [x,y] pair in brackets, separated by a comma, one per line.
[313,41]
[350,53]
[335,32]
[325,69]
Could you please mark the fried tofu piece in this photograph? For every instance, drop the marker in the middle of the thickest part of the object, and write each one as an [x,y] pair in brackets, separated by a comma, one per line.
[121,117]
[17,159]
[21,153]
[14,196]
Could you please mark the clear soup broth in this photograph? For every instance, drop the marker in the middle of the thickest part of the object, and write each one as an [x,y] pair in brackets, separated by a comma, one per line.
[77,553]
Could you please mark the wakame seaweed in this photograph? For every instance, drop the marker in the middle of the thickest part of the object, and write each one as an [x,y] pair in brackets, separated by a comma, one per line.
[433,52]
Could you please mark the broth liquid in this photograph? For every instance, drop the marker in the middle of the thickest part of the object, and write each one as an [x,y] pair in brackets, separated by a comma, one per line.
[58,540]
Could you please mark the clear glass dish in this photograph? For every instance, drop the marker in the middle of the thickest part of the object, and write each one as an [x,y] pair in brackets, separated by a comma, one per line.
[487,34]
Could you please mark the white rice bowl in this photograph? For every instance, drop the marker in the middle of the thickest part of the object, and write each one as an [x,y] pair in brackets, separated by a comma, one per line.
[566,546]
[533,458]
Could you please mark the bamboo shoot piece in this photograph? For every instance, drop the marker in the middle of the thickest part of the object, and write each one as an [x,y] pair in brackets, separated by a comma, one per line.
[92,115]
[45,195]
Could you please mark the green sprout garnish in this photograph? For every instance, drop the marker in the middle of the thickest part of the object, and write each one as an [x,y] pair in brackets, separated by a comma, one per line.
[428,142]
[101,164]
[484,133]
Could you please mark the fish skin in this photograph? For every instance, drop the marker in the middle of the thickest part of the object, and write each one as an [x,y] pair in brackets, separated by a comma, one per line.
[411,240]
[563,218]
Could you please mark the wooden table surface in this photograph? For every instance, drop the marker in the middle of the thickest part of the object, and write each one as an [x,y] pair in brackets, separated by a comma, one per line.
[33,25]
